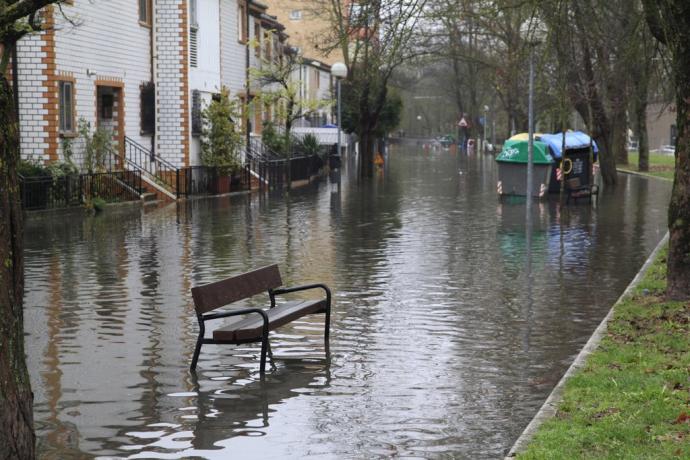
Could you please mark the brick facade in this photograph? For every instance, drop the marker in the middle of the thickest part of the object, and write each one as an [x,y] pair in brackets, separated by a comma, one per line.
[172,85]
[36,88]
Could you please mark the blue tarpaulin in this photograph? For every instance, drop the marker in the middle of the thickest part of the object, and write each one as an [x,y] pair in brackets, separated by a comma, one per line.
[573,140]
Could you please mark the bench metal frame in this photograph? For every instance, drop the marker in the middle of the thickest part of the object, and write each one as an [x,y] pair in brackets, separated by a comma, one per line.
[265,345]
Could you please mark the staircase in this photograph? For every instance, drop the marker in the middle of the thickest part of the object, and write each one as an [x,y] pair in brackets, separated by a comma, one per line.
[158,176]
[266,168]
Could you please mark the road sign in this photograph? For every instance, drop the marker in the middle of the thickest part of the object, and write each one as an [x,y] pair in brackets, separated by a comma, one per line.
[463,123]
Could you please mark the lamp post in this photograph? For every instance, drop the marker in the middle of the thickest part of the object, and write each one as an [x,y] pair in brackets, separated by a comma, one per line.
[486,122]
[339,71]
[533,32]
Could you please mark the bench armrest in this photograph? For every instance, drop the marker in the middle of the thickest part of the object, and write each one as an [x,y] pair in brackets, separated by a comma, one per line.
[243,311]
[303,288]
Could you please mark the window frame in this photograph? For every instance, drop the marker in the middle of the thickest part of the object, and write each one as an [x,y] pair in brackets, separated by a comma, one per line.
[243,26]
[62,130]
[147,21]
[194,14]
[257,38]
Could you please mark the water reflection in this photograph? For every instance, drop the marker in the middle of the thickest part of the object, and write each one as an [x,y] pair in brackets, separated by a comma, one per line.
[451,323]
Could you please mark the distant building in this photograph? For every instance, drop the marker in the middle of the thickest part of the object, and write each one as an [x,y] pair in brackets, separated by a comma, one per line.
[661,125]
[307,27]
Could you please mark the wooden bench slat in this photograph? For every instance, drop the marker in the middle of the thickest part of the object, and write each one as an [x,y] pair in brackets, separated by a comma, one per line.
[250,327]
[215,295]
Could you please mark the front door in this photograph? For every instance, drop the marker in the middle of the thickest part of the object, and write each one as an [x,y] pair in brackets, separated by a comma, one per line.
[110,116]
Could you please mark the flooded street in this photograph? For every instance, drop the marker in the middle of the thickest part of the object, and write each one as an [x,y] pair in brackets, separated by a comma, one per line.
[444,339]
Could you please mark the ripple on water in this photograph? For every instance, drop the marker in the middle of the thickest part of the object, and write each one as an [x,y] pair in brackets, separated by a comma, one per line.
[442,345]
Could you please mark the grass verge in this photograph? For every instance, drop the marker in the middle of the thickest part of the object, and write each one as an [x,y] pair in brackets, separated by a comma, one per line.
[632,398]
[660,165]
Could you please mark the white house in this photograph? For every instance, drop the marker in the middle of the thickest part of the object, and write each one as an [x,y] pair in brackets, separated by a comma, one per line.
[144,69]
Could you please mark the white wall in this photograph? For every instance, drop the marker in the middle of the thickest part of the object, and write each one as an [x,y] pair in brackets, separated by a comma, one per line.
[206,76]
[232,61]
[108,44]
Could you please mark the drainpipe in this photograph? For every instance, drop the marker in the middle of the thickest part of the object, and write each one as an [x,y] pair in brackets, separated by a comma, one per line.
[246,71]
[154,79]
[15,86]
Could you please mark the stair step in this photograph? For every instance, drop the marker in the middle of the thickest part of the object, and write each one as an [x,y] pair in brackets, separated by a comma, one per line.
[148,196]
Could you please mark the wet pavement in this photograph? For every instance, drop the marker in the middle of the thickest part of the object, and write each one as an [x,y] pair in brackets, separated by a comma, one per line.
[446,337]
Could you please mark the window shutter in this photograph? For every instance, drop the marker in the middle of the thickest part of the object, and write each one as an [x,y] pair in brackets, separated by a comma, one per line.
[193,48]
[148,108]
[196,113]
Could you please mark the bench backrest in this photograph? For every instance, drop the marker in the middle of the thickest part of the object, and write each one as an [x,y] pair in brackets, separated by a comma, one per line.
[215,295]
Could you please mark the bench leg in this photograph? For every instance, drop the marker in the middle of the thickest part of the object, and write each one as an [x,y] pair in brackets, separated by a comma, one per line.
[264,349]
[197,350]
[327,328]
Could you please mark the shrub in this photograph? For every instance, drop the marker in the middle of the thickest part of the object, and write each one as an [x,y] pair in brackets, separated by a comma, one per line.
[273,140]
[309,145]
[220,137]
[98,147]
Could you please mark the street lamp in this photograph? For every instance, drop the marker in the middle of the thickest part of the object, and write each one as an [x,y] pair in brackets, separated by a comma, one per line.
[339,71]
[486,121]
[533,31]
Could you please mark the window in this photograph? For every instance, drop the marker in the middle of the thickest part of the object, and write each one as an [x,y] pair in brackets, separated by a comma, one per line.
[242,21]
[193,18]
[268,46]
[674,135]
[145,12]
[66,106]
[295,15]
[148,108]
[257,39]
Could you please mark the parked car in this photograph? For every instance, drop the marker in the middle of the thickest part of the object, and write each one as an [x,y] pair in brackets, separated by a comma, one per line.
[669,149]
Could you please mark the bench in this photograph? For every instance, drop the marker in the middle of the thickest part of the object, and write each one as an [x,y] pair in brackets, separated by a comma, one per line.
[253,324]
[576,190]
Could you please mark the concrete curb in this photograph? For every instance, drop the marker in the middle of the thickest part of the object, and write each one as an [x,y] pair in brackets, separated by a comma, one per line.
[641,174]
[548,409]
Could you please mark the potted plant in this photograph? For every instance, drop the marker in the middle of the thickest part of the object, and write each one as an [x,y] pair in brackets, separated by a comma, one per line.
[221,141]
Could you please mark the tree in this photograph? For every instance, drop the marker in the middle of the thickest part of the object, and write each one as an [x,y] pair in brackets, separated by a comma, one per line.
[669,22]
[375,38]
[592,42]
[17,439]
[280,89]
[485,49]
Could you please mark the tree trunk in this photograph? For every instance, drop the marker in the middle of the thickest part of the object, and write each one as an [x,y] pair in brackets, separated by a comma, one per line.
[619,131]
[642,138]
[17,437]
[366,146]
[679,209]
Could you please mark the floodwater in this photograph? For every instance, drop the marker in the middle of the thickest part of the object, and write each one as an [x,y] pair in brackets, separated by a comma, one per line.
[450,325]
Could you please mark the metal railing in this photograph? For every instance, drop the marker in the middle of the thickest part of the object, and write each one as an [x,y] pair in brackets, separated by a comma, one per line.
[156,168]
[208,180]
[48,192]
[271,171]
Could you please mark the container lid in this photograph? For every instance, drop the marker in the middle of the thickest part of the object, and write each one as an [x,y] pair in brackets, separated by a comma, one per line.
[573,140]
[517,151]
